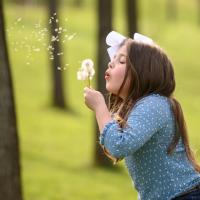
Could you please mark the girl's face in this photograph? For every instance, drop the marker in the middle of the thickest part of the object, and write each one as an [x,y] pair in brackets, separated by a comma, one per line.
[115,73]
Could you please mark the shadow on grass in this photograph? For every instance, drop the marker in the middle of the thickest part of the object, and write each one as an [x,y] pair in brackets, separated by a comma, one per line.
[66,165]
[65,110]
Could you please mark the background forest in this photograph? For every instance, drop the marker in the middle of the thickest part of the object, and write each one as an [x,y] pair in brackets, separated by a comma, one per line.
[56,134]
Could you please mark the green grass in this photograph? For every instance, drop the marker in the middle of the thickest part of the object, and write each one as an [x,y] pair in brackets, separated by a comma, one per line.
[57,147]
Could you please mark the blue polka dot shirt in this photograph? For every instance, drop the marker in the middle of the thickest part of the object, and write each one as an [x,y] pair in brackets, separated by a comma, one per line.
[143,144]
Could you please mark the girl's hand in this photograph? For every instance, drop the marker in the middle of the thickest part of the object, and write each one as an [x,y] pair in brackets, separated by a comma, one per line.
[93,99]
[96,102]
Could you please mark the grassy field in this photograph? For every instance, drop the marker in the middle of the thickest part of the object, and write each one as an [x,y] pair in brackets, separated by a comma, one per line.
[56,146]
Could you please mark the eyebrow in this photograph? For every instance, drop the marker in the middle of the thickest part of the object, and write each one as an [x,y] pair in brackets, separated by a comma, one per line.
[120,55]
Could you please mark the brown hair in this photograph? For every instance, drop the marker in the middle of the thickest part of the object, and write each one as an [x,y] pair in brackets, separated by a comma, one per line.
[150,71]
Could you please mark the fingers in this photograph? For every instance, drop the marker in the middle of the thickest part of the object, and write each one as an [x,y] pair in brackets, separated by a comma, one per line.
[90,91]
[85,91]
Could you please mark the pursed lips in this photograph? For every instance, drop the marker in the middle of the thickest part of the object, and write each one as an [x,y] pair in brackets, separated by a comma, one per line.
[107,75]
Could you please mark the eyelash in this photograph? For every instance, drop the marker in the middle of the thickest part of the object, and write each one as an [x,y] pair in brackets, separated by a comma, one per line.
[121,62]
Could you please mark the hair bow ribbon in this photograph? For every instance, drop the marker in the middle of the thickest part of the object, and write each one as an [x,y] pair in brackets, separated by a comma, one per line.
[115,39]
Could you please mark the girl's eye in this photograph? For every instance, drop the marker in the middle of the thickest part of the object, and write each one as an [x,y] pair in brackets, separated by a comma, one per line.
[122,62]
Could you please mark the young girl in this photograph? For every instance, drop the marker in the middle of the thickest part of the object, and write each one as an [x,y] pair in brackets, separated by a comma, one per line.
[144,123]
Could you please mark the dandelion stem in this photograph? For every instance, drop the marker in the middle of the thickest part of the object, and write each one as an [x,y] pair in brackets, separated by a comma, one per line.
[89,82]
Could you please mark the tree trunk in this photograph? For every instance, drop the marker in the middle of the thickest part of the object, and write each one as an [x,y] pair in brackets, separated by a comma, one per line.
[105,26]
[171,9]
[57,79]
[198,7]
[25,2]
[20,2]
[131,16]
[78,3]
[10,182]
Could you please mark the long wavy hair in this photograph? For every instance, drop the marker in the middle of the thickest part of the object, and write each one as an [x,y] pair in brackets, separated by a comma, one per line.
[150,71]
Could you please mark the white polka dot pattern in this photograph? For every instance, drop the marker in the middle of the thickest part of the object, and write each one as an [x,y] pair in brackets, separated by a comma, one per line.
[143,144]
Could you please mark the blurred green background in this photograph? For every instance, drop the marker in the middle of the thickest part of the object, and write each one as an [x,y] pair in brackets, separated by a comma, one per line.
[57,146]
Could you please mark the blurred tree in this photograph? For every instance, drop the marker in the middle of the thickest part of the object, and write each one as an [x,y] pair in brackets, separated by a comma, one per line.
[10,182]
[78,3]
[198,6]
[171,9]
[24,2]
[104,27]
[131,16]
[58,86]
[20,1]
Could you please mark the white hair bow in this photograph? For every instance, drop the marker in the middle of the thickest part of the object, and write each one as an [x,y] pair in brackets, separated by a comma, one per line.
[115,39]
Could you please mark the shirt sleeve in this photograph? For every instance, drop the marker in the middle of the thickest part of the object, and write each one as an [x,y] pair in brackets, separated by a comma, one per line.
[146,118]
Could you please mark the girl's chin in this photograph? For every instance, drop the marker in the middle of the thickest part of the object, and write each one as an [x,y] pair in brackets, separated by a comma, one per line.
[110,89]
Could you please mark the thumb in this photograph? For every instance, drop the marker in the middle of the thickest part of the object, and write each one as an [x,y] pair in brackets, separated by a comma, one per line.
[91,88]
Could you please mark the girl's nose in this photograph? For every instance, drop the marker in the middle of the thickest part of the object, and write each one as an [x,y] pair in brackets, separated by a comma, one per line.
[110,64]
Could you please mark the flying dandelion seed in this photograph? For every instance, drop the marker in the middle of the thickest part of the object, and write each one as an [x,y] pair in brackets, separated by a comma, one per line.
[71,36]
[38,35]
[59,54]
[38,25]
[19,19]
[54,38]
[37,49]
